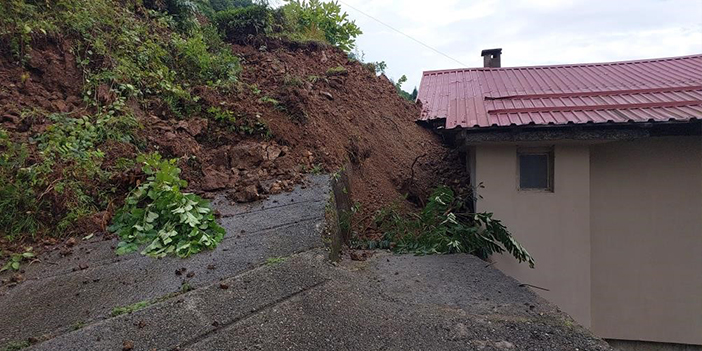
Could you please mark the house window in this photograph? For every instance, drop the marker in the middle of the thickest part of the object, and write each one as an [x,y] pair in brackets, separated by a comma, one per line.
[535,167]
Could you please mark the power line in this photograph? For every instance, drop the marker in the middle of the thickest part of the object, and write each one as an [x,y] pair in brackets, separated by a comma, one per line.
[407,35]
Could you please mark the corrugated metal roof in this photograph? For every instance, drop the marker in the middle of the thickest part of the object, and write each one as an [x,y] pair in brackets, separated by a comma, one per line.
[617,92]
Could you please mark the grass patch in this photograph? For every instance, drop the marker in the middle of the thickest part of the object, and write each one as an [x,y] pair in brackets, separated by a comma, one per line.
[16,345]
[337,71]
[118,311]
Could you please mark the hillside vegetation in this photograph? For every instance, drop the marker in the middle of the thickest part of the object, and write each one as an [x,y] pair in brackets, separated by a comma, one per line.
[88,86]
[121,116]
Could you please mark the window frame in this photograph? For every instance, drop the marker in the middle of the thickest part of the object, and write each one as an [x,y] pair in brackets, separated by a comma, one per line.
[548,152]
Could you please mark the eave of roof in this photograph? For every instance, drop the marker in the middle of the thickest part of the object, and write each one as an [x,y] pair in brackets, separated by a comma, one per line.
[655,90]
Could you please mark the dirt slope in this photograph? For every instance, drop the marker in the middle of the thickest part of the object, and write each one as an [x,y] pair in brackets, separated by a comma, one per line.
[323,111]
[354,117]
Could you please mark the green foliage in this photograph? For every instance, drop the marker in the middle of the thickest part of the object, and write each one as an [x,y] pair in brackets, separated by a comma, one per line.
[238,23]
[375,67]
[400,81]
[222,5]
[73,143]
[337,71]
[20,205]
[407,96]
[292,81]
[185,287]
[15,260]
[202,57]
[269,100]
[183,12]
[309,18]
[222,116]
[16,345]
[159,54]
[317,168]
[242,124]
[72,138]
[157,214]
[270,261]
[117,311]
[443,227]
[17,23]
[151,51]
[314,79]
[255,127]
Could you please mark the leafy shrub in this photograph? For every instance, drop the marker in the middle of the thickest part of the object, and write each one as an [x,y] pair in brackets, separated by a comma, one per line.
[443,226]
[377,67]
[239,23]
[222,5]
[314,16]
[182,11]
[222,115]
[157,214]
[152,56]
[20,205]
[212,63]
[405,95]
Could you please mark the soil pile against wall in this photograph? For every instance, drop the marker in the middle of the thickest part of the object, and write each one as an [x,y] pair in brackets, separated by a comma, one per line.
[307,107]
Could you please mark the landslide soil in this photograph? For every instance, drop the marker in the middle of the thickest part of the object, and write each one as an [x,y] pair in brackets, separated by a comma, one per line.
[319,120]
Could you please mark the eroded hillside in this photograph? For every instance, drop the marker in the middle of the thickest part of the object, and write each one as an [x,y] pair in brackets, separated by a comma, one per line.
[86,87]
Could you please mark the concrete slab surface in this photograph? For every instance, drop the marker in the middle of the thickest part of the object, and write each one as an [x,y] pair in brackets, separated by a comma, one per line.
[57,295]
[299,302]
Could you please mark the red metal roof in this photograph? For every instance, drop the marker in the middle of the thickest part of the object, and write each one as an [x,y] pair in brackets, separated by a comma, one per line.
[617,92]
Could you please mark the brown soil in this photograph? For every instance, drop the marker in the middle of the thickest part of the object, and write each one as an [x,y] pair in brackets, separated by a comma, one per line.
[319,120]
[356,117]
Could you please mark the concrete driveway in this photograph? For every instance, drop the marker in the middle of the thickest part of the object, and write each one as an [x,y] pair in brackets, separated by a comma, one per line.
[270,286]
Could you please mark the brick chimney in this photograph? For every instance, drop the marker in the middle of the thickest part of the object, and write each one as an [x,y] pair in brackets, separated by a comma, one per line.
[491,57]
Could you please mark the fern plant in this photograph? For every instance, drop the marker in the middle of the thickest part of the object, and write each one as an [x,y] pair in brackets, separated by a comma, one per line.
[158,216]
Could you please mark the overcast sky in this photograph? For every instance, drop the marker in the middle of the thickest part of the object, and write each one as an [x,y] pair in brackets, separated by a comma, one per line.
[530,32]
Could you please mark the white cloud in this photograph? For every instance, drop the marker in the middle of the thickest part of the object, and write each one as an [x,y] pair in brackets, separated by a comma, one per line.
[531,32]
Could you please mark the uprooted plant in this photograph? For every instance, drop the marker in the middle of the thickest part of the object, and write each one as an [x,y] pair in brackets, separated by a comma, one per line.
[16,259]
[446,226]
[157,214]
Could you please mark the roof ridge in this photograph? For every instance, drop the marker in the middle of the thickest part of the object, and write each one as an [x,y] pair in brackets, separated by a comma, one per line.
[596,64]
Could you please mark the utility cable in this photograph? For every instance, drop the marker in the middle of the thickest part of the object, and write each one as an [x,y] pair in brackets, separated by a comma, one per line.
[402,33]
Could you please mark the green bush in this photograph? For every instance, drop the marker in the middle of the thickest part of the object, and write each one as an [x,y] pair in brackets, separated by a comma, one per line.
[314,16]
[239,23]
[443,226]
[153,56]
[157,214]
[206,59]
[20,205]
[405,95]
[222,5]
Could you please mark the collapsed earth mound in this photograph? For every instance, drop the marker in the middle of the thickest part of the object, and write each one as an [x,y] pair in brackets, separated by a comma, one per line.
[296,108]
